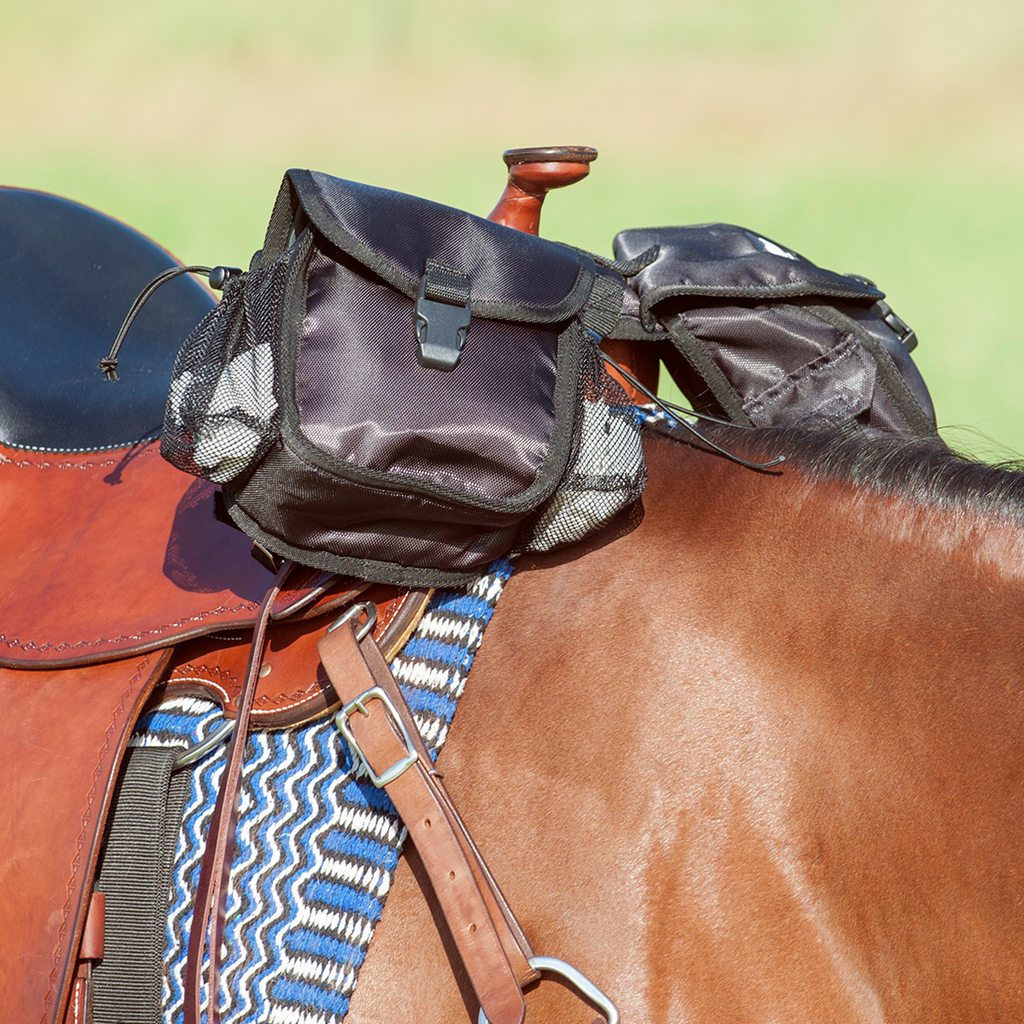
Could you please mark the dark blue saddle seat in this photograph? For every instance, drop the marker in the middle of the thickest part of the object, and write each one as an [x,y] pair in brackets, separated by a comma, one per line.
[68,275]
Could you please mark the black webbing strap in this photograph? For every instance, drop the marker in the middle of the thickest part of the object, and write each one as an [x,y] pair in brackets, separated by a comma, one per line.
[445,284]
[695,353]
[135,876]
[604,307]
[628,268]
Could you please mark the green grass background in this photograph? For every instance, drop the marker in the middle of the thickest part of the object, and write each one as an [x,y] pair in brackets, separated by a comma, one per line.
[878,137]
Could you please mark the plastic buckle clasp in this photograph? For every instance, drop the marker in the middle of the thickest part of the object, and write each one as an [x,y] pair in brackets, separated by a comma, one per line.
[896,324]
[403,764]
[441,330]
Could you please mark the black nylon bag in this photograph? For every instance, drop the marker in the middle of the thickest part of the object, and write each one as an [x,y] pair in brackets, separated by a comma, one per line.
[759,335]
[396,389]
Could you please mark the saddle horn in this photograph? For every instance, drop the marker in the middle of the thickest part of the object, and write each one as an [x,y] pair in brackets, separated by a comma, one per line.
[532,173]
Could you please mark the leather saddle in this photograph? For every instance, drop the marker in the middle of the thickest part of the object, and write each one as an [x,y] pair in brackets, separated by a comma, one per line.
[118,583]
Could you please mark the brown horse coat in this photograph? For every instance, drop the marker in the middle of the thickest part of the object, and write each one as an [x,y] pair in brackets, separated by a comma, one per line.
[758,760]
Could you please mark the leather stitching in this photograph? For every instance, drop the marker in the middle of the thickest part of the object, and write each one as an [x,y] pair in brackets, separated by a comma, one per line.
[145,451]
[31,645]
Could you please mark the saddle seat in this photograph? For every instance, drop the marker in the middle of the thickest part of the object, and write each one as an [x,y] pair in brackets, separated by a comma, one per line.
[68,275]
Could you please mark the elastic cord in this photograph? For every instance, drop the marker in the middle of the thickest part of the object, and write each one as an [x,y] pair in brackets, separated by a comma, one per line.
[109,364]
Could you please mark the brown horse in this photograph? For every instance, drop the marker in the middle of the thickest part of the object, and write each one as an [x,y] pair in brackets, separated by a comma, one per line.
[758,759]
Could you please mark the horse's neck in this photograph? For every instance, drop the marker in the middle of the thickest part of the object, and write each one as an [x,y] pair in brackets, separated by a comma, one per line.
[756,760]
[779,550]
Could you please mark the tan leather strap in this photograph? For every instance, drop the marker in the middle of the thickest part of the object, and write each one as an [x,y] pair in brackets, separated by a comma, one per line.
[491,943]
[513,940]
[211,893]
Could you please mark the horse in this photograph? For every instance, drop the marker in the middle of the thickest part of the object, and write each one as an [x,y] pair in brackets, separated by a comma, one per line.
[756,759]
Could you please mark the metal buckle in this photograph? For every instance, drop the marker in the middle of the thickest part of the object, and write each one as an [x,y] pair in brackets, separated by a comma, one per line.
[199,750]
[359,704]
[583,985]
[368,608]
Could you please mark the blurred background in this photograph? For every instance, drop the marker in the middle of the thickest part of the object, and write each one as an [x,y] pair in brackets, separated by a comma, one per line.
[883,137]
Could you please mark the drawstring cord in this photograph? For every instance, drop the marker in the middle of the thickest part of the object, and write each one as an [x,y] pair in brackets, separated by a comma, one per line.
[673,410]
[217,276]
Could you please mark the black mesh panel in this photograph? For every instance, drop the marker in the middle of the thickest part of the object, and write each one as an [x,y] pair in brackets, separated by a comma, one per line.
[222,408]
[606,473]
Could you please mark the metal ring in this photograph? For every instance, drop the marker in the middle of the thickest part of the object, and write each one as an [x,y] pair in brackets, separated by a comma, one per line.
[368,608]
[224,730]
[203,747]
[583,985]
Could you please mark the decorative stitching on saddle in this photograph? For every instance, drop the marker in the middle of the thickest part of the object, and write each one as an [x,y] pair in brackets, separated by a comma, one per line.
[294,698]
[389,616]
[31,645]
[76,860]
[144,452]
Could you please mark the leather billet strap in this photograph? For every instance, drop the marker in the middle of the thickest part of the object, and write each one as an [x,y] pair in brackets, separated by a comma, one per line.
[380,727]
[211,893]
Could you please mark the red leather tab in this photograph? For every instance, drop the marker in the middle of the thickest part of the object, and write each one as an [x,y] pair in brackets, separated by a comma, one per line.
[92,935]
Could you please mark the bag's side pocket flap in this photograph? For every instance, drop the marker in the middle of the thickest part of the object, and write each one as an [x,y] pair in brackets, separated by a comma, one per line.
[708,261]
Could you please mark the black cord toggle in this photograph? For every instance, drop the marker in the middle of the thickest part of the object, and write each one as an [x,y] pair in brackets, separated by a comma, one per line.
[220,276]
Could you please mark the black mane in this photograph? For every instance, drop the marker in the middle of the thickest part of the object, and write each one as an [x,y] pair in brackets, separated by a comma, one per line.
[923,470]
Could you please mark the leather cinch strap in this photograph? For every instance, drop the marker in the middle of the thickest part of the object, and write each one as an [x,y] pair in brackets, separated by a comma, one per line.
[380,727]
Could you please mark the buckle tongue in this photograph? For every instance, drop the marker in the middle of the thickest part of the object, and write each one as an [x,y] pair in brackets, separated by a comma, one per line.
[584,987]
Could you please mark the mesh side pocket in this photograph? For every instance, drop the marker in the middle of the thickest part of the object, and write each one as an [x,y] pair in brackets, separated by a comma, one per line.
[606,472]
[222,410]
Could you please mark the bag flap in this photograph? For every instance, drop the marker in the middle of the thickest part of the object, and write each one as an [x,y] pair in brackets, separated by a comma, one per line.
[724,261]
[512,275]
